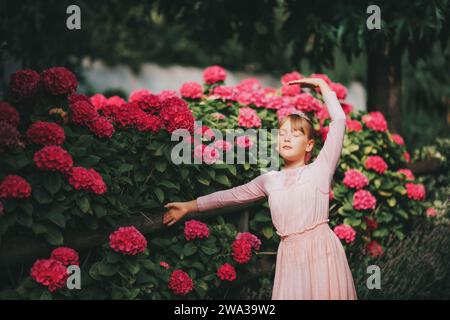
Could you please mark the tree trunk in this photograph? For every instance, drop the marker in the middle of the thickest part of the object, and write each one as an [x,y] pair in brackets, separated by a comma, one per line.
[384,83]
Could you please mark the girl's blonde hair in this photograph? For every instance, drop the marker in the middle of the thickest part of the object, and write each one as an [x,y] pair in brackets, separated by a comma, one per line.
[305,125]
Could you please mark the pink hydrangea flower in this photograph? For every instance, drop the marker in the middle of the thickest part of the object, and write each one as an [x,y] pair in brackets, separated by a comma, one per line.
[250,238]
[375,121]
[345,232]
[194,229]
[248,118]
[408,173]
[355,179]
[364,200]
[191,90]
[353,125]
[415,191]
[214,74]
[376,163]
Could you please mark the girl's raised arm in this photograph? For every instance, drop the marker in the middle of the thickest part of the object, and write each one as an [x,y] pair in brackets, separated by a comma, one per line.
[331,151]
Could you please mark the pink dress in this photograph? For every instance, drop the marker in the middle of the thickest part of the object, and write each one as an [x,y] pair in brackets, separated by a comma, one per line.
[311,261]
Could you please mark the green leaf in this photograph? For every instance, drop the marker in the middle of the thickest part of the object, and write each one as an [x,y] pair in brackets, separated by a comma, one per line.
[41,196]
[53,183]
[262,217]
[268,232]
[159,194]
[202,180]
[223,180]
[189,249]
[208,251]
[24,219]
[132,266]
[161,166]
[106,269]
[125,167]
[54,236]
[83,204]
[58,218]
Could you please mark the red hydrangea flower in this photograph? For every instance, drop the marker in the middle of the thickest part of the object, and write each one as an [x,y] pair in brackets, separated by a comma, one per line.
[138,94]
[214,74]
[13,187]
[75,97]
[50,273]
[415,191]
[87,179]
[375,121]
[363,200]
[99,101]
[376,163]
[59,80]
[290,90]
[46,133]
[150,103]
[194,229]
[208,154]
[83,112]
[9,135]
[307,103]
[226,272]
[408,173]
[398,139]
[101,127]
[226,92]
[374,249]
[115,101]
[177,115]
[345,232]
[164,264]
[347,107]
[291,77]
[180,283]
[9,114]
[127,240]
[149,123]
[191,90]
[372,223]
[66,256]
[249,84]
[341,91]
[53,158]
[241,251]
[24,84]
[355,179]
[353,125]
[250,238]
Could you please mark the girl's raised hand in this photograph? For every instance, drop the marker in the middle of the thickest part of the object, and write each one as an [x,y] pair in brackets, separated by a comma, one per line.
[313,82]
[177,210]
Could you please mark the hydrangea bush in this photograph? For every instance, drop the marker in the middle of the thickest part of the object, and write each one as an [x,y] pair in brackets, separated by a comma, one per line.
[72,163]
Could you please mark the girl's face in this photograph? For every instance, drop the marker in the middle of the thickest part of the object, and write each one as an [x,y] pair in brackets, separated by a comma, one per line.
[293,144]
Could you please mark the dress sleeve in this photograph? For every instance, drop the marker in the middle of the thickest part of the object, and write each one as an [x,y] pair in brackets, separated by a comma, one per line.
[251,191]
[331,151]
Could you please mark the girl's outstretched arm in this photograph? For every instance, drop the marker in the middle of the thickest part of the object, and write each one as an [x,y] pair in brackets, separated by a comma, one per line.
[251,191]
[245,193]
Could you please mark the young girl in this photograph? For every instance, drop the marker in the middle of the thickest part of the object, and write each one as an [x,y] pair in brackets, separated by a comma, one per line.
[311,261]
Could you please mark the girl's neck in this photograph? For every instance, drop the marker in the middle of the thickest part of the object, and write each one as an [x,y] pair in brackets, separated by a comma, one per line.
[294,165]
